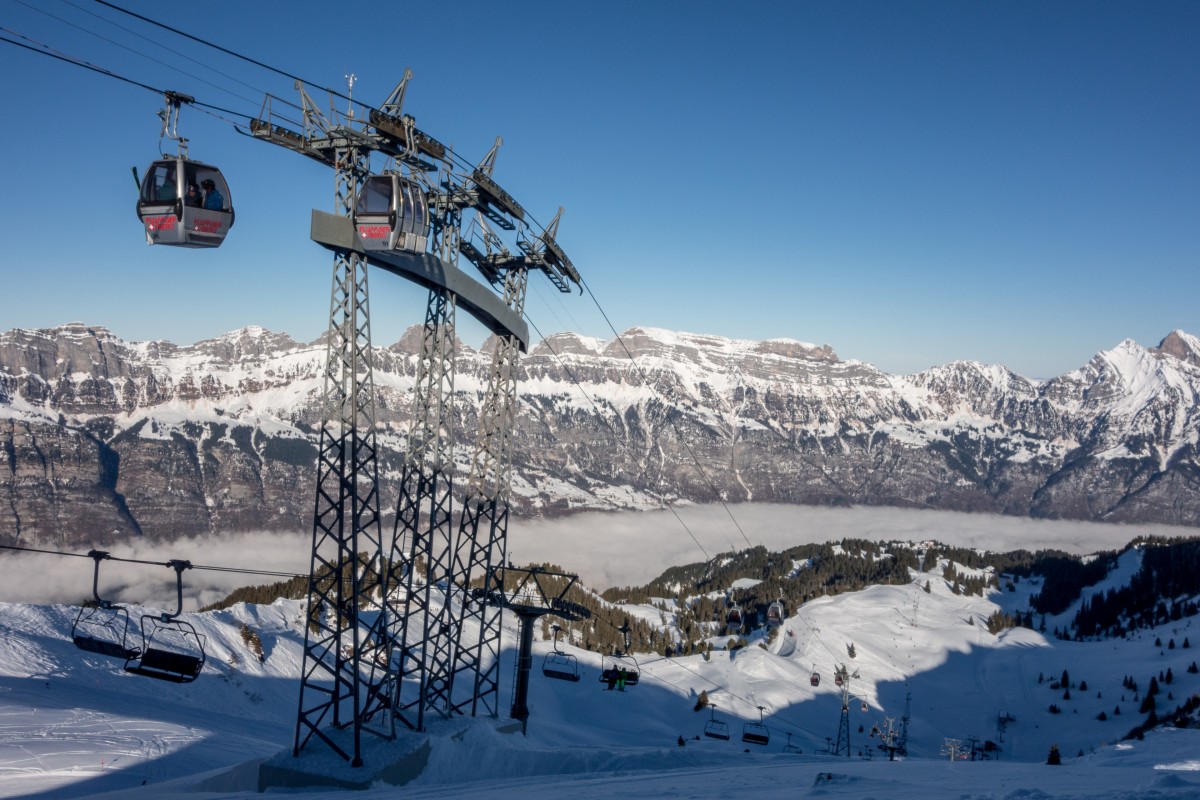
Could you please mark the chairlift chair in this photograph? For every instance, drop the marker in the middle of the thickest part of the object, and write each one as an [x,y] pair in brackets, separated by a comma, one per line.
[614,664]
[392,213]
[559,665]
[715,728]
[791,748]
[814,679]
[756,732]
[171,648]
[102,627]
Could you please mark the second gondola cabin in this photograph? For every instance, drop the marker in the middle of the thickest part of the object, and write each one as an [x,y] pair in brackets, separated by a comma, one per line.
[392,213]
[185,203]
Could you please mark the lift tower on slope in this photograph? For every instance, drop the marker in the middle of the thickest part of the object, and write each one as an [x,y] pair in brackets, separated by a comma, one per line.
[379,644]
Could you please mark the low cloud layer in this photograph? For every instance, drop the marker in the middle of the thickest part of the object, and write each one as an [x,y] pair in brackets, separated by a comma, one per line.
[606,549]
[630,548]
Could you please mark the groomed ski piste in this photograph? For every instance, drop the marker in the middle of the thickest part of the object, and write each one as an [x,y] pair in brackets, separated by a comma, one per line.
[74,724]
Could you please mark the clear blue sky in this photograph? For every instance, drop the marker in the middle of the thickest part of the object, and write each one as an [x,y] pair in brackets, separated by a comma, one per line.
[910,182]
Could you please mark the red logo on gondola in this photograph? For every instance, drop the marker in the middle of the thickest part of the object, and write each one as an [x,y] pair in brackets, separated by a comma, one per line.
[206,225]
[161,223]
[374,231]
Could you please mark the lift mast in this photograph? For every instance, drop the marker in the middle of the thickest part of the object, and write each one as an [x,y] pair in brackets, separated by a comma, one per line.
[346,544]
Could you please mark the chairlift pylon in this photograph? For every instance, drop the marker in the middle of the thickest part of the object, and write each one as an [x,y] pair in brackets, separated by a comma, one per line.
[171,648]
[559,665]
[102,627]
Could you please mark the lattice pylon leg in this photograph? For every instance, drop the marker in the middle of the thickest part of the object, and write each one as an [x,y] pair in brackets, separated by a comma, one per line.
[336,678]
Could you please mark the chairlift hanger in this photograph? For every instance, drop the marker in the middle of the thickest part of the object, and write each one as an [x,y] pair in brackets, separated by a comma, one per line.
[103,627]
[172,650]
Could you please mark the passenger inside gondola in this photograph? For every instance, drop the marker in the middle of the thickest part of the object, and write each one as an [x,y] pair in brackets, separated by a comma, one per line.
[212,198]
[166,189]
[192,198]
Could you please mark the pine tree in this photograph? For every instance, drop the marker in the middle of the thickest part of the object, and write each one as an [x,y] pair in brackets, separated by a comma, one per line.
[1054,758]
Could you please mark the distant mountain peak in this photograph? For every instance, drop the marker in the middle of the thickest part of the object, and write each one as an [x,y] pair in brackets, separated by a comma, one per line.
[1181,345]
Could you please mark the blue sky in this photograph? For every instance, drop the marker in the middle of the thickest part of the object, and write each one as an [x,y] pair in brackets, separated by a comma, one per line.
[912,183]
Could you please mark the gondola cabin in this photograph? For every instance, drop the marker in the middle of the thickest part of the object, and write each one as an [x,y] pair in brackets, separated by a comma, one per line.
[733,621]
[185,203]
[392,213]
[775,614]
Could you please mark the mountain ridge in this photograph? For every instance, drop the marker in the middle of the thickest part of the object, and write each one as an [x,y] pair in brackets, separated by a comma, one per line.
[105,438]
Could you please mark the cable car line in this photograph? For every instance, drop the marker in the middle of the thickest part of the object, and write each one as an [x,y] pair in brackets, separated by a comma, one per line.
[130,49]
[175,52]
[648,385]
[209,568]
[608,425]
[46,50]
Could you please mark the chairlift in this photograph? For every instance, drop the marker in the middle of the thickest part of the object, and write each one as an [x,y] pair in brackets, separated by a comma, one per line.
[715,728]
[756,732]
[181,202]
[617,664]
[562,666]
[392,213]
[171,648]
[102,627]
[791,748]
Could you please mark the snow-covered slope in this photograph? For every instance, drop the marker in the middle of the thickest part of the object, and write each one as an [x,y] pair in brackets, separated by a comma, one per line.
[75,725]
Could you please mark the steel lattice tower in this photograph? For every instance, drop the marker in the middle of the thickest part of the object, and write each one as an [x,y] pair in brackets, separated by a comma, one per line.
[381,644]
[339,675]
[483,525]
[423,537]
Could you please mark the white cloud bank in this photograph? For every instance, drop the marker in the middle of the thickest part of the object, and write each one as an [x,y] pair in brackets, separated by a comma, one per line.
[606,549]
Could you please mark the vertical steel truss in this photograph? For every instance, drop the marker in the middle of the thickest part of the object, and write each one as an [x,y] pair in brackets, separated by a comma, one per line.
[423,538]
[341,672]
[483,527]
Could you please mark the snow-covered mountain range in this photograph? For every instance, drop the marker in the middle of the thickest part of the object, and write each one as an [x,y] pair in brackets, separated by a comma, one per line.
[102,438]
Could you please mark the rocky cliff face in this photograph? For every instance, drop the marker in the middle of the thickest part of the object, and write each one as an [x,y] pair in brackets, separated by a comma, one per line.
[102,439]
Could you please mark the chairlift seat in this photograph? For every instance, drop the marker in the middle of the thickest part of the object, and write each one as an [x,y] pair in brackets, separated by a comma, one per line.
[167,665]
[561,667]
[104,647]
[715,729]
[755,733]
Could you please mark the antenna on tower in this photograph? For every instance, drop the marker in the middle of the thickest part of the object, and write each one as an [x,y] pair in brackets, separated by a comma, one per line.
[351,79]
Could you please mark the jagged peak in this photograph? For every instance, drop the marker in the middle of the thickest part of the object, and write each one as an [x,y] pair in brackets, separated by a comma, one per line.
[641,337]
[1181,345]
[568,342]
